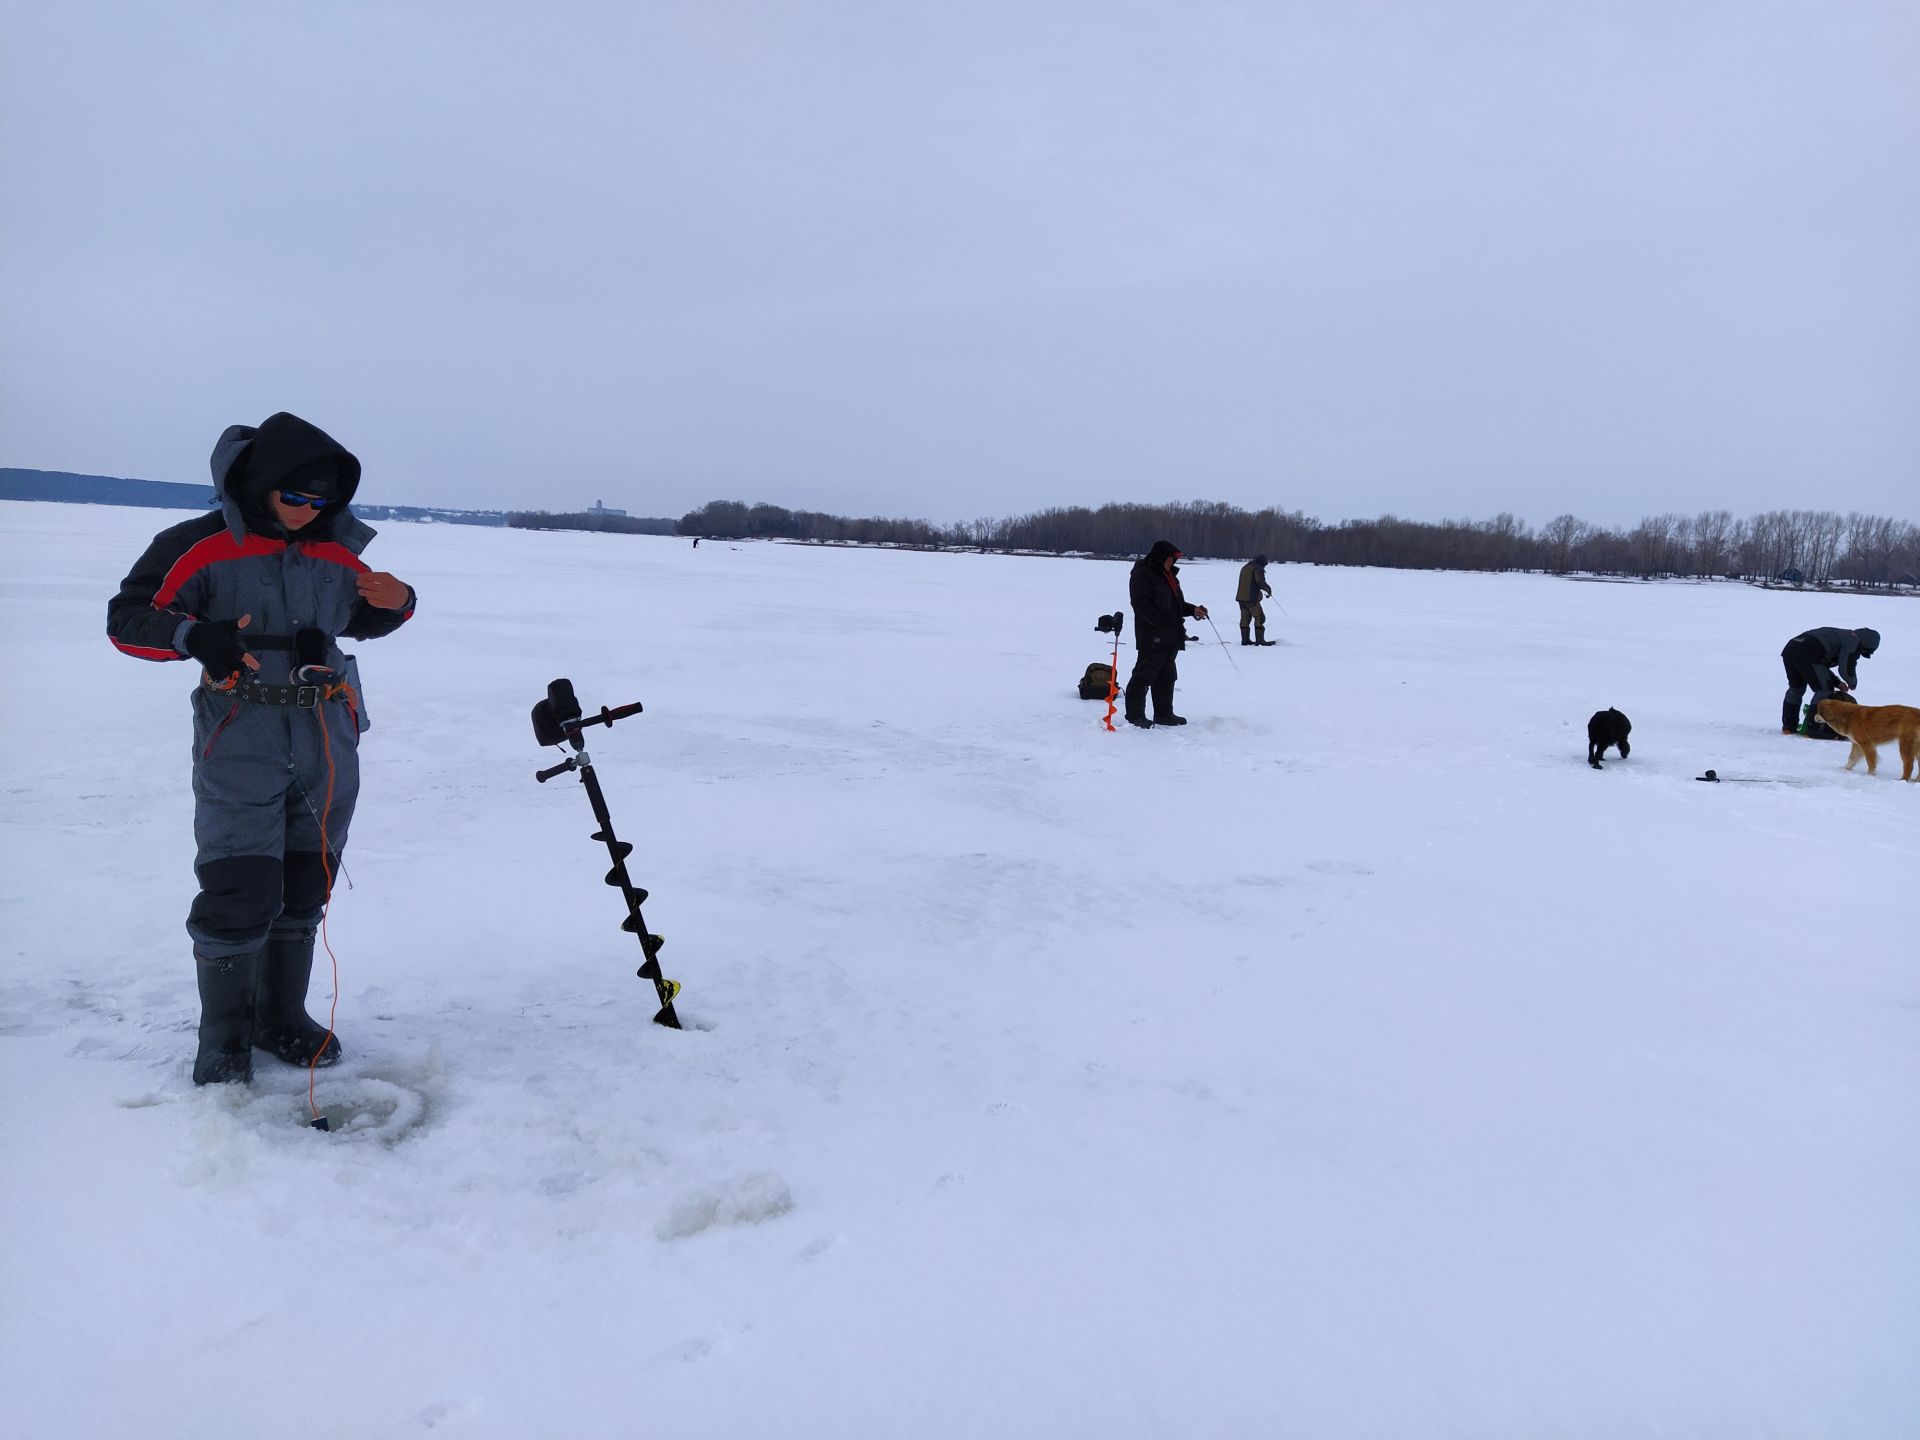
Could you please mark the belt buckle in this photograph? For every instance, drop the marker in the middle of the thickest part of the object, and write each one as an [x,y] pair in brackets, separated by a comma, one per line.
[306,696]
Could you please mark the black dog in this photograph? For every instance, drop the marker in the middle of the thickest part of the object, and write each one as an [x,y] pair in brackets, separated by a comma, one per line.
[1607,727]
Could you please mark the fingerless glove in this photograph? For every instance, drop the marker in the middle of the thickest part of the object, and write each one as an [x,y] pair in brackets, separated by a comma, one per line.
[216,645]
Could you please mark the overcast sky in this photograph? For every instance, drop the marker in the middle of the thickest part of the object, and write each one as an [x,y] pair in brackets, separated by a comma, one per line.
[1441,257]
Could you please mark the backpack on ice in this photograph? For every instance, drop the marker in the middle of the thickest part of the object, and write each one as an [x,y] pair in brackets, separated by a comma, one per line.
[1097,682]
[1813,727]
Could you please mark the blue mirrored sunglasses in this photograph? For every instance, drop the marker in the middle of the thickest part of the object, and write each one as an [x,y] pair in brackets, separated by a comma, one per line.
[297,500]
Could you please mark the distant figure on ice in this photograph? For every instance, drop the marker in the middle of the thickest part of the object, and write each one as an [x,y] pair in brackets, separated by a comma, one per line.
[1253,584]
[258,592]
[1159,633]
[1811,658]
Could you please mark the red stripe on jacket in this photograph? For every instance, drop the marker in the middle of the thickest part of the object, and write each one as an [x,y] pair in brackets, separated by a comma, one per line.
[336,552]
[146,652]
[215,548]
[210,551]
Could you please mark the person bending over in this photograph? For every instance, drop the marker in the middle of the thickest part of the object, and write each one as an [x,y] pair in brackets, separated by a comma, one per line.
[1812,657]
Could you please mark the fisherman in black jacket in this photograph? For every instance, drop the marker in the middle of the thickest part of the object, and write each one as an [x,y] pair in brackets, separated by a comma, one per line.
[1811,659]
[1159,633]
[259,592]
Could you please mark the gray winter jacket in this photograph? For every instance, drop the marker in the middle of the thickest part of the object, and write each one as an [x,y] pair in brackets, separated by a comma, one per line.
[1841,649]
[239,561]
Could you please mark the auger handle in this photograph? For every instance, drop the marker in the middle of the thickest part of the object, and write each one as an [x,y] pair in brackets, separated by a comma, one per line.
[545,775]
[605,717]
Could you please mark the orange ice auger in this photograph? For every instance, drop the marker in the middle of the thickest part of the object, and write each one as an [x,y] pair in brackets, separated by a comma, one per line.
[1114,622]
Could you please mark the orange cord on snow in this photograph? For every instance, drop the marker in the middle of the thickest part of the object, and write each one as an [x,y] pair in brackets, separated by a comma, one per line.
[326,870]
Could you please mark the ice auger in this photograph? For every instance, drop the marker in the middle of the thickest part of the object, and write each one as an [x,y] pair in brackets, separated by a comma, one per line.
[557,720]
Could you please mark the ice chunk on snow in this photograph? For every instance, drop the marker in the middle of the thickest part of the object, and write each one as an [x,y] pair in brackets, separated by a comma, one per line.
[746,1201]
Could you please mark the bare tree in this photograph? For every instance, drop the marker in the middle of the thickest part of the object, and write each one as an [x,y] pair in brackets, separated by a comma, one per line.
[1824,532]
[1713,541]
[1562,535]
[1652,545]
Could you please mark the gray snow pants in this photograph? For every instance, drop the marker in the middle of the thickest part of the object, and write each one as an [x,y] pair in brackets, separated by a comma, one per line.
[261,790]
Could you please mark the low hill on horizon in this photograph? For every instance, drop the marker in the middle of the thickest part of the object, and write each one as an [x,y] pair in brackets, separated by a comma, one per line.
[64,486]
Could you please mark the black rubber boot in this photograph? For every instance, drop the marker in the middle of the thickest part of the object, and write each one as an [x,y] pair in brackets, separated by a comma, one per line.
[282,1026]
[1163,704]
[227,988]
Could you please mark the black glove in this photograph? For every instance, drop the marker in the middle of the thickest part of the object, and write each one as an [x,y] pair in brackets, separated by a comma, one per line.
[216,645]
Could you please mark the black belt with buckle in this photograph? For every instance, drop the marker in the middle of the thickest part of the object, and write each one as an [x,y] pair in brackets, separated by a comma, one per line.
[303,696]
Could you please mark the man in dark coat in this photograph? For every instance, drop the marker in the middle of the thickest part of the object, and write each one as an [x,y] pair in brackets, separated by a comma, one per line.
[1159,633]
[1811,659]
[258,592]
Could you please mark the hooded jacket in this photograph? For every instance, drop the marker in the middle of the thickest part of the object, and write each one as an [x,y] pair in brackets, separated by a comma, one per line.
[1159,609]
[238,560]
[285,453]
[1839,649]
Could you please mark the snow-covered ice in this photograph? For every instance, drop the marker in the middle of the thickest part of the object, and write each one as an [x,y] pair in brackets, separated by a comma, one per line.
[1352,1063]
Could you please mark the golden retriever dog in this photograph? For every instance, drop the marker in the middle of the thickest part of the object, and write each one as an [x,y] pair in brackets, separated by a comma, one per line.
[1871,726]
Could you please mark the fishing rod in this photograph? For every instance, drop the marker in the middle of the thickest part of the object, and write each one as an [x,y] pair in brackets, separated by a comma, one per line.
[1223,644]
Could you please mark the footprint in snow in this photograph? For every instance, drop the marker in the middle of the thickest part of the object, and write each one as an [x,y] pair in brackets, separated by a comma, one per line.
[443,1412]
[1338,867]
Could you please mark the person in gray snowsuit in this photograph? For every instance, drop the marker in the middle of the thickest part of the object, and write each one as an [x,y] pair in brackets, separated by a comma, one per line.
[260,592]
[1812,657]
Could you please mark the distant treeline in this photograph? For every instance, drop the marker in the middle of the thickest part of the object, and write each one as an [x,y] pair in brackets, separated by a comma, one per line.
[588,520]
[731,520]
[429,514]
[1814,547]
